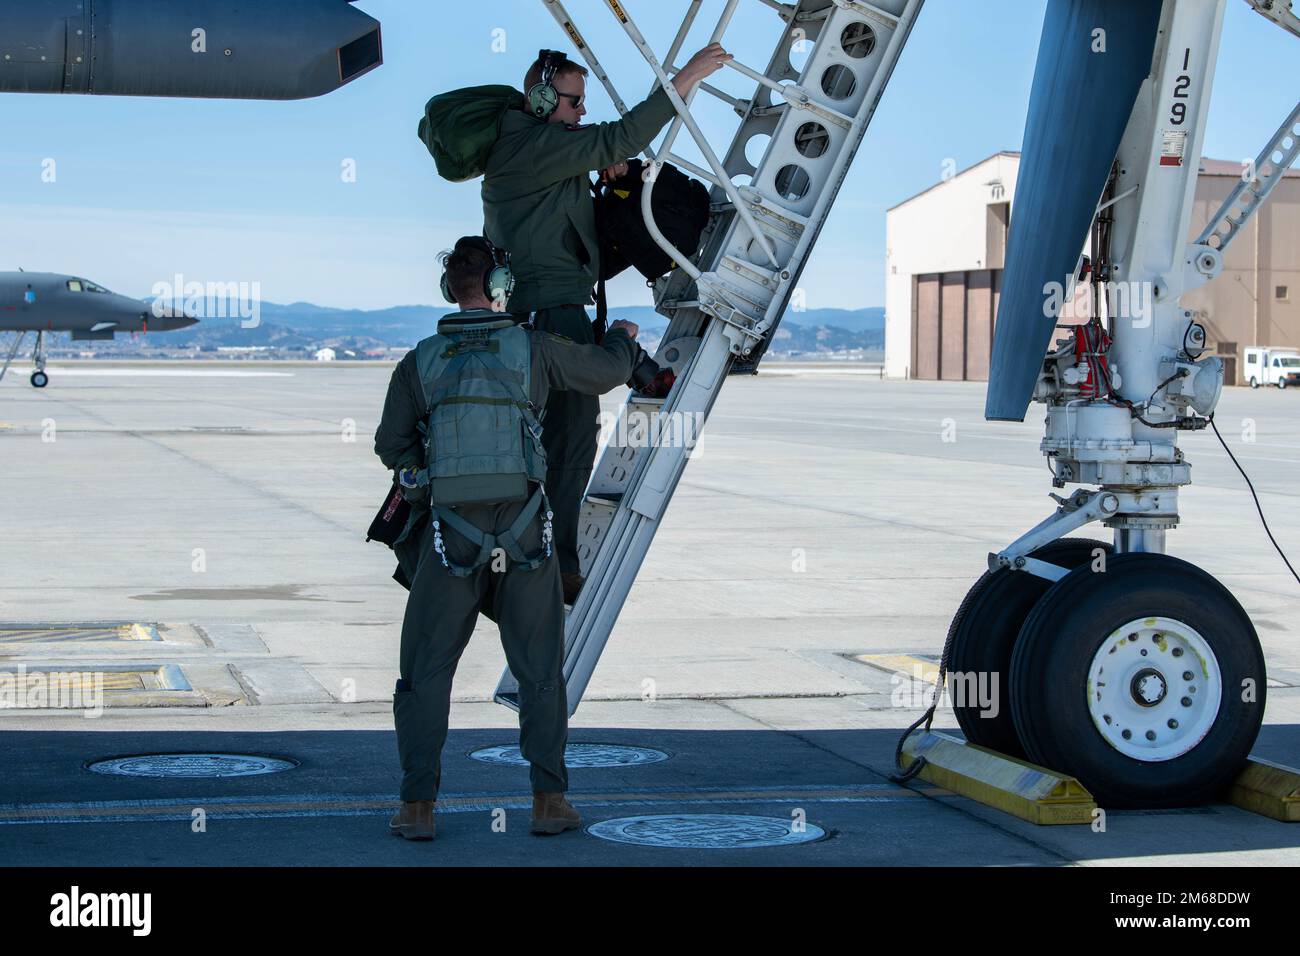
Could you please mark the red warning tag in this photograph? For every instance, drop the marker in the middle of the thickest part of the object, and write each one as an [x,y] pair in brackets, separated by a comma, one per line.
[1173,146]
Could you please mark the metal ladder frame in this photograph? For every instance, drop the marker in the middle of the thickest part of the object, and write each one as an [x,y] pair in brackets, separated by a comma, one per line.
[724,304]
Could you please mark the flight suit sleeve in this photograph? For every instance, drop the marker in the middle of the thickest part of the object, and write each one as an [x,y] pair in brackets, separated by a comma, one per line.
[397,439]
[590,369]
[561,152]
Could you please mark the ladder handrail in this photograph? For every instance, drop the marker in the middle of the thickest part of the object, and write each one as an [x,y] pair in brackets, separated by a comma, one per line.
[684,118]
[676,46]
[718,177]
[566,23]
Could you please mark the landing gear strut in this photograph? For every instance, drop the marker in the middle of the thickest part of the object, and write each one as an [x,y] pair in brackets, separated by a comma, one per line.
[39,379]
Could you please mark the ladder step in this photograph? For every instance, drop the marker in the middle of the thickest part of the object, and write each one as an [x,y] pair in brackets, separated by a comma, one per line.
[594,518]
[635,431]
[871,12]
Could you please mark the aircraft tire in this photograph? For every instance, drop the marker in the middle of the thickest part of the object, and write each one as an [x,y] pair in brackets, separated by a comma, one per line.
[983,634]
[1146,683]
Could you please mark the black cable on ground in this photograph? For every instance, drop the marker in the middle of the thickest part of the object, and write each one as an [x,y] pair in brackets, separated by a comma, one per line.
[1258,507]
[903,776]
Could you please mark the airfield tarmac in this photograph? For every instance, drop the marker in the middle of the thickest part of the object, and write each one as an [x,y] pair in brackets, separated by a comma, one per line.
[827,517]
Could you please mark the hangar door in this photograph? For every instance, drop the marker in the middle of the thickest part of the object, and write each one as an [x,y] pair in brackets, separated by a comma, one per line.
[952,324]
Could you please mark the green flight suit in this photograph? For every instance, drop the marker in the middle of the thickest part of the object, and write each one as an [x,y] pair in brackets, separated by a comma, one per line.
[528,606]
[537,204]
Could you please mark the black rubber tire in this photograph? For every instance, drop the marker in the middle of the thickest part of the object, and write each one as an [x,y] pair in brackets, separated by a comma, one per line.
[1281,384]
[983,633]
[1254,383]
[39,380]
[1055,649]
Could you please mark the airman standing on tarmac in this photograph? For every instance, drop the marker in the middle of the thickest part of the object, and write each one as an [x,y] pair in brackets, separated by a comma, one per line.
[459,428]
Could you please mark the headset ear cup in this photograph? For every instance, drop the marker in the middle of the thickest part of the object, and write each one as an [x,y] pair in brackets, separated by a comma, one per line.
[498,284]
[498,280]
[543,100]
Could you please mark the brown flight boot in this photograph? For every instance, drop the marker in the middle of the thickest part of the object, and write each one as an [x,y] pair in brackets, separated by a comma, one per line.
[553,814]
[572,585]
[414,821]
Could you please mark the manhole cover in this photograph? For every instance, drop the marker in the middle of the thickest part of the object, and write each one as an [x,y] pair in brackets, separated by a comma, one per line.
[706,831]
[191,765]
[578,756]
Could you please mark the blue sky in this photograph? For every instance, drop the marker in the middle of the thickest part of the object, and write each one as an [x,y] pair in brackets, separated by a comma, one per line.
[253,192]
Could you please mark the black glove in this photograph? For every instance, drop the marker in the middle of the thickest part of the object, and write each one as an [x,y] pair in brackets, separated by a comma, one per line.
[644,370]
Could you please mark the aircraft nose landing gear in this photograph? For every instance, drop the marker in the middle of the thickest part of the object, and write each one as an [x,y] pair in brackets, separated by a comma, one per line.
[1145,681]
[39,379]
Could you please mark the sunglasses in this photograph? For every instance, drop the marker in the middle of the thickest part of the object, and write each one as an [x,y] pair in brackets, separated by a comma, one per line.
[575,99]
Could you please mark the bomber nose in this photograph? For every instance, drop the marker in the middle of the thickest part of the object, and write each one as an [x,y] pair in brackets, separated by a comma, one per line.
[162,318]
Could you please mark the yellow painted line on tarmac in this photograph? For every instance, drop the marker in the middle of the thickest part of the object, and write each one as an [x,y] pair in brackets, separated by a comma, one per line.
[111,680]
[905,664]
[77,633]
[79,682]
[139,632]
[45,686]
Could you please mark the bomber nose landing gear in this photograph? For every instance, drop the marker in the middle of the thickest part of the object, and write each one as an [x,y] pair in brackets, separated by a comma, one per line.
[39,379]
[1145,681]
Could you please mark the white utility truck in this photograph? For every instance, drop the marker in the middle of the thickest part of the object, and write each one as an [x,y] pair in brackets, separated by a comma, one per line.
[1271,366]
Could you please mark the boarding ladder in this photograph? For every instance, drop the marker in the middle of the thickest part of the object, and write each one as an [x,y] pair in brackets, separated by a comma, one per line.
[724,304]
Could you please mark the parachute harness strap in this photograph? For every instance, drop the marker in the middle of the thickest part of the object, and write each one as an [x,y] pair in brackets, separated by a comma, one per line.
[508,539]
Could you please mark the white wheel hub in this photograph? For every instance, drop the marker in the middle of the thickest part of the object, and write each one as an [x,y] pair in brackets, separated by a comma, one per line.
[1154,689]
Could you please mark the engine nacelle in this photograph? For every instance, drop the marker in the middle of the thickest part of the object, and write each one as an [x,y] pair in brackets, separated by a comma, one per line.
[282,50]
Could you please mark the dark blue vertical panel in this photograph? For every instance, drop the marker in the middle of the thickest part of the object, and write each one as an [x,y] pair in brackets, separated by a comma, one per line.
[1078,108]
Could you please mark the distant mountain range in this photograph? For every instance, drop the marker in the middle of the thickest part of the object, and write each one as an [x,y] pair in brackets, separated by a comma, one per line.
[305,327]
